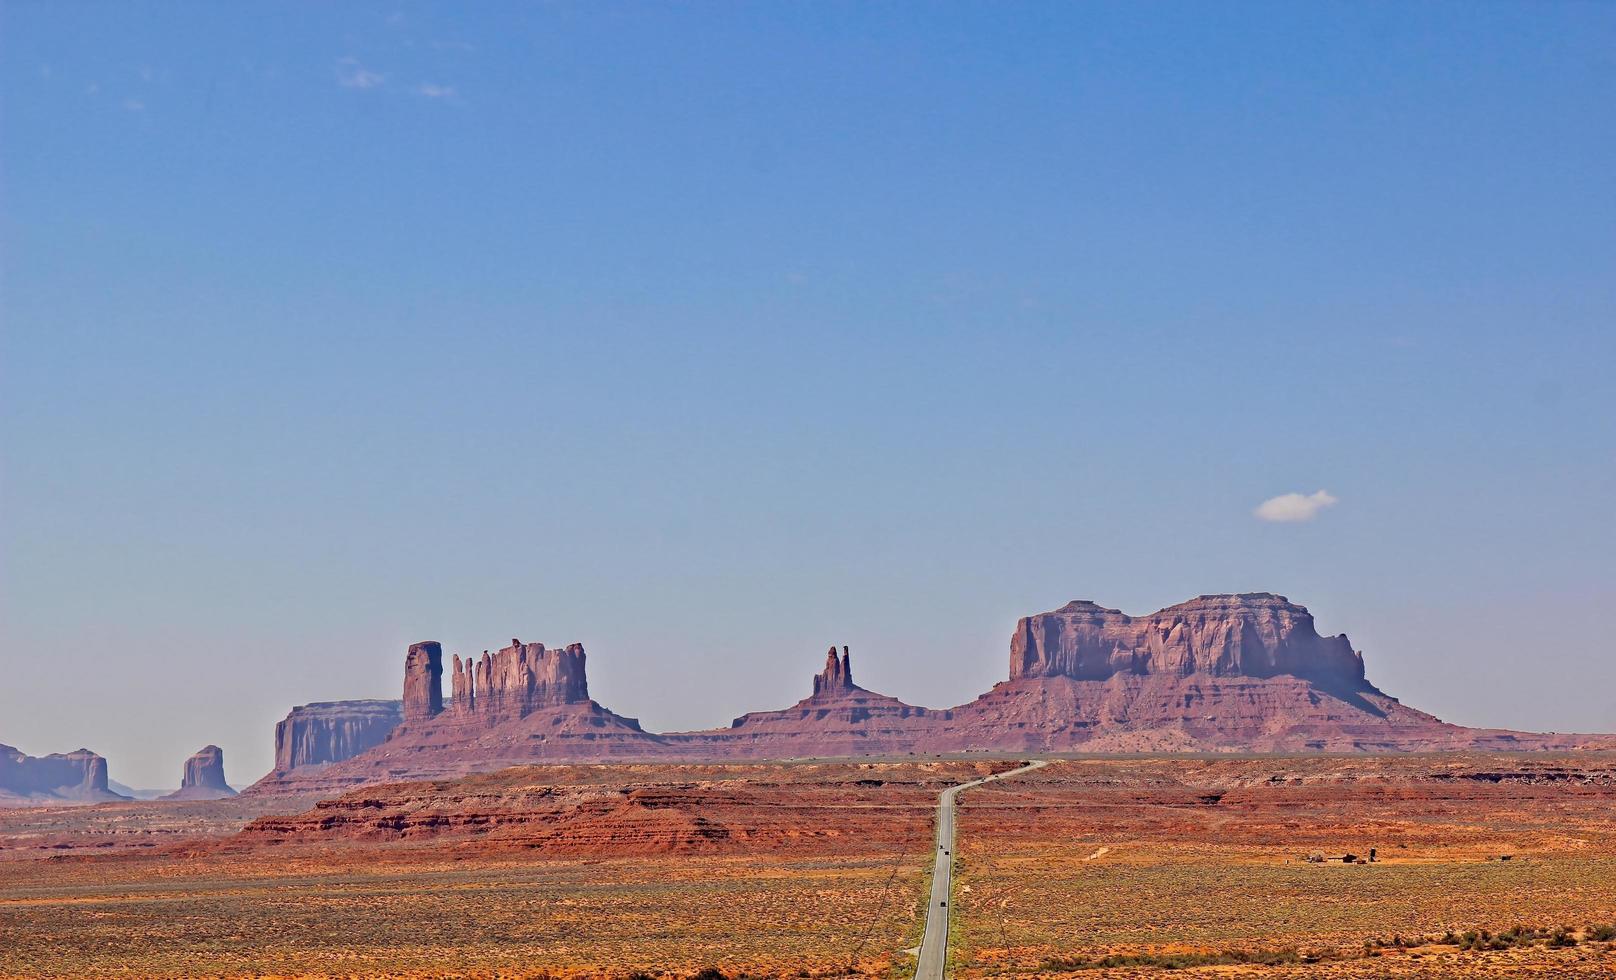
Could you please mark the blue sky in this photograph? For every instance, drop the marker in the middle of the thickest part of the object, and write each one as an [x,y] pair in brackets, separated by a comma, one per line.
[710,335]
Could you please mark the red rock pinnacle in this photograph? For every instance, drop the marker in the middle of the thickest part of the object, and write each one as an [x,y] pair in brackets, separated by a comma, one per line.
[837,677]
[423,680]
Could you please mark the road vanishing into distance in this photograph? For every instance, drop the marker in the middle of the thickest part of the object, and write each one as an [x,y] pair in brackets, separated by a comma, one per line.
[933,957]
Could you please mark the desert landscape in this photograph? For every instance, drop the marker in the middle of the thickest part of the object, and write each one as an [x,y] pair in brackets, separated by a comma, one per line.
[518,828]
[814,490]
[1444,865]
[1486,865]
[537,871]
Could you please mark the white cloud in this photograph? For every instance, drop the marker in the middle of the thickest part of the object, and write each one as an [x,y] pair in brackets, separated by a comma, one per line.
[134,105]
[1288,508]
[351,74]
[435,91]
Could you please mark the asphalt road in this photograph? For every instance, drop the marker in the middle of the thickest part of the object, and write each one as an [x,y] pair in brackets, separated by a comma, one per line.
[933,958]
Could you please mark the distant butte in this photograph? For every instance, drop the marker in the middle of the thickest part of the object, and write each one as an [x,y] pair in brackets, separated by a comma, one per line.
[203,778]
[839,719]
[1219,673]
[73,777]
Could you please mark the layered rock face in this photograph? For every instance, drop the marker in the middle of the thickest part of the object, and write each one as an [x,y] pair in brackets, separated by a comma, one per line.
[203,778]
[1217,673]
[525,703]
[1251,635]
[331,731]
[621,810]
[518,680]
[75,777]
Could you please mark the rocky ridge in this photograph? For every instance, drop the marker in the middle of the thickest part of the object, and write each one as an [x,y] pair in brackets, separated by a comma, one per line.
[623,810]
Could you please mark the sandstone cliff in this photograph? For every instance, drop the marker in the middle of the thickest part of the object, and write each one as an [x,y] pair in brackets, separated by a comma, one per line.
[525,703]
[423,680]
[74,777]
[1218,673]
[518,680]
[1251,635]
[331,731]
[203,778]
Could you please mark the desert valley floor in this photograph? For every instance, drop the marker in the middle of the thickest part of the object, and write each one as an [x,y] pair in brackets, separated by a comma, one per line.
[1486,865]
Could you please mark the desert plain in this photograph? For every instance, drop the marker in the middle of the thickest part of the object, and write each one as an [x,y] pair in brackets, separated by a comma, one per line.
[1492,864]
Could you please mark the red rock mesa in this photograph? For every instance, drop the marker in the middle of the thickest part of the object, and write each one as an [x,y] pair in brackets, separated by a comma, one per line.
[73,777]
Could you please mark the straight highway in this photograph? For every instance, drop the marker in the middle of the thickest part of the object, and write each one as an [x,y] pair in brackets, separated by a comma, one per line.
[933,958]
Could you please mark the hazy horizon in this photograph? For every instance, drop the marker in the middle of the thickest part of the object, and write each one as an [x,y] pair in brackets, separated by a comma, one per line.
[711,337]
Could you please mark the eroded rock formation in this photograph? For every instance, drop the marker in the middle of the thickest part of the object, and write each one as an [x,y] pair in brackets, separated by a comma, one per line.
[423,680]
[525,703]
[518,680]
[75,777]
[837,675]
[203,778]
[331,731]
[1251,635]
[1218,673]
[838,719]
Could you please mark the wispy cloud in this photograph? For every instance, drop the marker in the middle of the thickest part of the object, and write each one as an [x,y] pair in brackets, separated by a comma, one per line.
[134,105]
[1289,508]
[352,74]
[431,91]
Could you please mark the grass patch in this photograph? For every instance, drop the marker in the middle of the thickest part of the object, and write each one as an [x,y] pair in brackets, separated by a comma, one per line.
[1178,961]
[1476,940]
